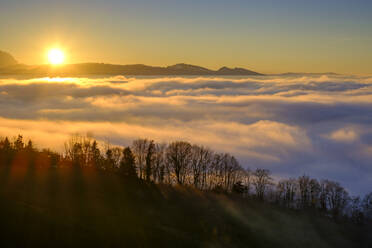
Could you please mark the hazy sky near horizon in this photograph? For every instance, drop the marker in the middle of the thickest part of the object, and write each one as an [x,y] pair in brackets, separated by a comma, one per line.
[268,36]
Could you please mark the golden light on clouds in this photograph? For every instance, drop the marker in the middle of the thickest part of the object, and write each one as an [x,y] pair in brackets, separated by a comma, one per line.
[290,124]
[56,56]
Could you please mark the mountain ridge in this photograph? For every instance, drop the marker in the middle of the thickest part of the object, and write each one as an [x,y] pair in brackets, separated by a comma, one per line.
[117,69]
[9,66]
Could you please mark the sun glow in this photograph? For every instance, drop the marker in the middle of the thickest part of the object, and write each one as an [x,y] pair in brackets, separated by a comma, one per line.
[56,56]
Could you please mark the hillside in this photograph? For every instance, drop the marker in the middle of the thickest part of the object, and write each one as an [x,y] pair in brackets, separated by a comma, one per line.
[83,199]
[74,208]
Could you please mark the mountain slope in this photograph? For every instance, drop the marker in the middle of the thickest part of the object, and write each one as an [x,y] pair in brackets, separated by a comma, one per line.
[236,71]
[6,59]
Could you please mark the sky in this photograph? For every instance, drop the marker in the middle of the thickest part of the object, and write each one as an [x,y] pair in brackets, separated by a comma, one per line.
[318,126]
[267,36]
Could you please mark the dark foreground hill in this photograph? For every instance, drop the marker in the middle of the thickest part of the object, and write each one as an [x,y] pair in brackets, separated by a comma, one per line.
[83,207]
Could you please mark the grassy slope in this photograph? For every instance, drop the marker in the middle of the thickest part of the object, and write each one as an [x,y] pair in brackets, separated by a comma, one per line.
[65,207]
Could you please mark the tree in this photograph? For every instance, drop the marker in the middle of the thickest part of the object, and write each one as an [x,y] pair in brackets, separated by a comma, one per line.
[179,158]
[5,144]
[304,187]
[337,198]
[314,193]
[215,171]
[95,158]
[247,180]
[109,162]
[140,148]
[239,188]
[323,195]
[6,151]
[116,156]
[30,146]
[356,210]
[159,169]
[77,150]
[149,160]
[367,206]
[201,157]
[18,143]
[230,169]
[127,164]
[54,157]
[286,190]
[261,182]
[224,171]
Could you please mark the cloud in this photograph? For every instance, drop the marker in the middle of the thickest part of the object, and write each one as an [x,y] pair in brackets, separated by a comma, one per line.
[318,125]
[344,135]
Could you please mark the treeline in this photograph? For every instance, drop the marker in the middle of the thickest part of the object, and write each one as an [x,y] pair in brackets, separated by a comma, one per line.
[183,163]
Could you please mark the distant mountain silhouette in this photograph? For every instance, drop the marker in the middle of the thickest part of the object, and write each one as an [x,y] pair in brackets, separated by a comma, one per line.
[188,69]
[306,74]
[236,71]
[110,69]
[9,66]
[6,59]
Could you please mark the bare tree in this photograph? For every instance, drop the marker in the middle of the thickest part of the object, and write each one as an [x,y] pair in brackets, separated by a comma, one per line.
[314,193]
[261,182]
[149,160]
[77,149]
[247,180]
[178,155]
[116,156]
[304,188]
[337,198]
[286,190]
[214,171]
[140,148]
[232,172]
[159,165]
[323,195]
[201,157]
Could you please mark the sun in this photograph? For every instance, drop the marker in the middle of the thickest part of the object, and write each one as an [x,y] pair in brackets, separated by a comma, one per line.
[56,56]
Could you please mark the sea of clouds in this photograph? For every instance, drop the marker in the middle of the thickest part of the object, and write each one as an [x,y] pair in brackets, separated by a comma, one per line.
[317,125]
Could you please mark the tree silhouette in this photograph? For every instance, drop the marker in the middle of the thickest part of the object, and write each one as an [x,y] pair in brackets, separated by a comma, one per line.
[261,181]
[149,160]
[127,164]
[18,143]
[183,163]
[239,188]
[179,158]
[286,190]
[159,165]
[367,205]
[140,148]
